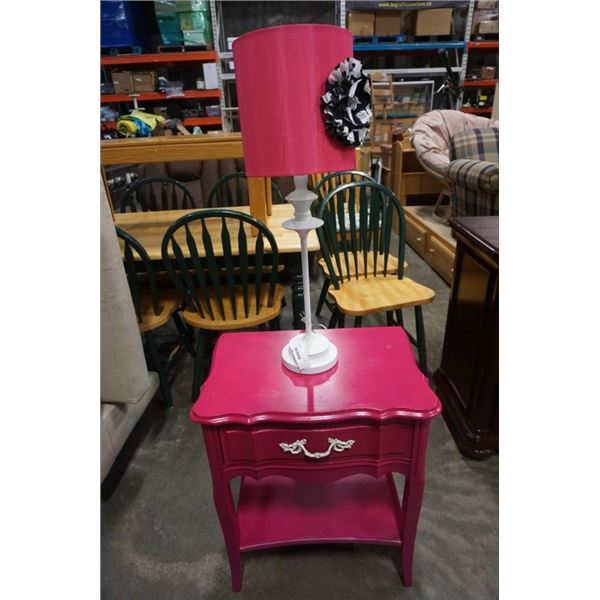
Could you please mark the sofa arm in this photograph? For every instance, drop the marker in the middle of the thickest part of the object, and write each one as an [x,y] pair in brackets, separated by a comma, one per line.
[476,175]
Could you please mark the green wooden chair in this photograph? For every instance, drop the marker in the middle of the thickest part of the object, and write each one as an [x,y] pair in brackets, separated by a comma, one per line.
[232,190]
[224,265]
[323,186]
[156,193]
[356,241]
[154,307]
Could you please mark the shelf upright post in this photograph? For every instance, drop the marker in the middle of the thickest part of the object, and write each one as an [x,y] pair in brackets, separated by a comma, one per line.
[217,27]
[342,9]
[465,56]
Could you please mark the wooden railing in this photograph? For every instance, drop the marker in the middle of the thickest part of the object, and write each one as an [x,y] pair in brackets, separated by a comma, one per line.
[176,148]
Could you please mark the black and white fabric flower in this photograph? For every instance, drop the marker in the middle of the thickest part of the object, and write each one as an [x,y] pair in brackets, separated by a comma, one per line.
[346,103]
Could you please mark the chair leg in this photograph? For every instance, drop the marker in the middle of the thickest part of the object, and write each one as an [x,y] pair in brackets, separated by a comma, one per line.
[275,324]
[198,366]
[399,318]
[421,346]
[357,321]
[158,364]
[186,333]
[334,318]
[322,296]
[340,319]
[390,318]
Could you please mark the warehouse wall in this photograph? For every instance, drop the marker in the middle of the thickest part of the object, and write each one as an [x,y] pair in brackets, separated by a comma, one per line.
[241,17]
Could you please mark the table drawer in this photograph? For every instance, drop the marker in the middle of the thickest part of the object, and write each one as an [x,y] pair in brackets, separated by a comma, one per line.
[326,444]
[416,236]
[441,259]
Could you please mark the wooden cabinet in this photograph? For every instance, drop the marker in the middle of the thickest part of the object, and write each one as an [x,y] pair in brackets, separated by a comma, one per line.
[431,240]
[408,178]
[467,380]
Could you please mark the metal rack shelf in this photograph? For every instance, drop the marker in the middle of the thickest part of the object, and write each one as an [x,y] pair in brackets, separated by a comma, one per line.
[408,46]
[189,122]
[481,83]
[158,58]
[189,94]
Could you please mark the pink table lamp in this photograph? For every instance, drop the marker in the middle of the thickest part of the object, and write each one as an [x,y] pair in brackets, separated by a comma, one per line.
[280,78]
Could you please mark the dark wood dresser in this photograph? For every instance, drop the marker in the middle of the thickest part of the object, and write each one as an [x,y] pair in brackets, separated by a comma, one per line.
[467,380]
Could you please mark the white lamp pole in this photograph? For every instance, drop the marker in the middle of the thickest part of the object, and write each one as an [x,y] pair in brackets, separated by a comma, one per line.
[308,352]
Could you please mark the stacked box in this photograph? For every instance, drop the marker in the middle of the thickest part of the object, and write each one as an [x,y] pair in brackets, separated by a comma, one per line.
[195,23]
[361,23]
[165,9]
[388,22]
[170,30]
[210,76]
[126,24]
[433,21]
[144,81]
[118,26]
[122,82]
[192,6]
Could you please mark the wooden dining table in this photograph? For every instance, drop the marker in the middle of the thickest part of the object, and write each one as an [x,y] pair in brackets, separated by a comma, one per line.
[149,229]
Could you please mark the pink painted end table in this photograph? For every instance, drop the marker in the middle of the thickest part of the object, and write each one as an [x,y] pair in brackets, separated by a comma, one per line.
[316,453]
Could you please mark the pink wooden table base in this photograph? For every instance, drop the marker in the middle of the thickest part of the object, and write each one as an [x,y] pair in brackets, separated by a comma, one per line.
[316,453]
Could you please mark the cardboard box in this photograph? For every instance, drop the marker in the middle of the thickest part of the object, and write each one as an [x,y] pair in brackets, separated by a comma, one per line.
[487,5]
[210,76]
[388,22]
[144,81]
[482,15]
[489,27]
[122,82]
[487,72]
[433,21]
[361,23]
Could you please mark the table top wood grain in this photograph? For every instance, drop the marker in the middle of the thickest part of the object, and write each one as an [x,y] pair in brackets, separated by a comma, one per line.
[149,228]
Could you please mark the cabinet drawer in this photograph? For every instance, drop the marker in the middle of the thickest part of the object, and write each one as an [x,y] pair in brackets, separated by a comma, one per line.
[440,258]
[416,236]
[263,444]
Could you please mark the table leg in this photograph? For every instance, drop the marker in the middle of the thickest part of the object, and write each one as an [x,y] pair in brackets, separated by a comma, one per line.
[225,508]
[411,507]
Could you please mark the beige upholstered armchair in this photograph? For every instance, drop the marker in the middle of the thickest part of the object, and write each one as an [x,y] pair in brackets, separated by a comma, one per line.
[126,386]
[443,140]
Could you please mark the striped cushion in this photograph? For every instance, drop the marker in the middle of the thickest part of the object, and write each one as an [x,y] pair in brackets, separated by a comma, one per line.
[480,144]
[474,188]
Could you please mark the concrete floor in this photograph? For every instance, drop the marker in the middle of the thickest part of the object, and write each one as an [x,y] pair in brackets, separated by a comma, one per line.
[161,537]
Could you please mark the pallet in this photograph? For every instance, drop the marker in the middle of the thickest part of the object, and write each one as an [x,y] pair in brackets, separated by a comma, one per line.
[183,48]
[119,50]
[379,39]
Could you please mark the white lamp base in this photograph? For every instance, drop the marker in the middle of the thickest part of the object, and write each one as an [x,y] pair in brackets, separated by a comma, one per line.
[309,354]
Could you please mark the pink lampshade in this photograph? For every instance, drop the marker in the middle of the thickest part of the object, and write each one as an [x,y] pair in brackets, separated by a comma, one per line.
[280,75]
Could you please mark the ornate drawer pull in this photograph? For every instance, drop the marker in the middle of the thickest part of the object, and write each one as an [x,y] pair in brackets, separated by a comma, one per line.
[334,444]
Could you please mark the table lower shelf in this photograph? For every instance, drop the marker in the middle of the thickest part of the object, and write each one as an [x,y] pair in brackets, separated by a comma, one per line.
[279,511]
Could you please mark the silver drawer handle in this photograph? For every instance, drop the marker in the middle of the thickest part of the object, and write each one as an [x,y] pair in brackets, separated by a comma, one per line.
[334,444]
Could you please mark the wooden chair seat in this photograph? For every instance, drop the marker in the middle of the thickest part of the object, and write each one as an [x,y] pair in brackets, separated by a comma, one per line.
[392,266]
[169,301]
[361,297]
[265,314]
